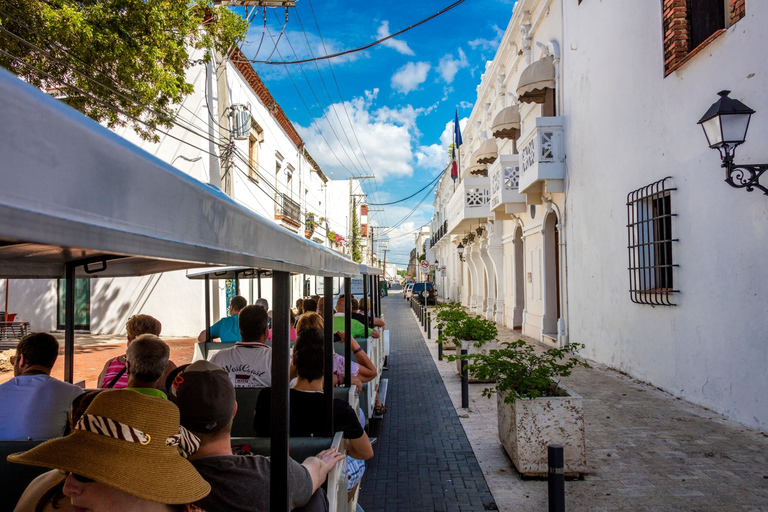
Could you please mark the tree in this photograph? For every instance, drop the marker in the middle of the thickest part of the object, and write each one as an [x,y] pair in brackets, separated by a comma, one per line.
[357,255]
[100,56]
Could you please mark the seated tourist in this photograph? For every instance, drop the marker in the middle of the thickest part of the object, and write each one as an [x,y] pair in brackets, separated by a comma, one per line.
[206,400]
[113,375]
[299,307]
[35,404]
[249,362]
[308,407]
[46,492]
[124,454]
[365,310]
[363,370]
[227,329]
[358,329]
[146,360]
[291,328]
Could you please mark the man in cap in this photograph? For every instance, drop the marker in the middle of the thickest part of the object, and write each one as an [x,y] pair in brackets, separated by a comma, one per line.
[206,400]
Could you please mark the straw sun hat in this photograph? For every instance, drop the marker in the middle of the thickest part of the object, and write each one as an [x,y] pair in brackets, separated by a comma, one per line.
[128,441]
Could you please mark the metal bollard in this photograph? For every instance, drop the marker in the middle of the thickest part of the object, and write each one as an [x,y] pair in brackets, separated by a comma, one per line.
[556,478]
[429,325]
[464,381]
[439,344]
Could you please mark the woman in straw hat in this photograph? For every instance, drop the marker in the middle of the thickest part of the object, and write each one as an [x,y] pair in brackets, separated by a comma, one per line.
[125,453]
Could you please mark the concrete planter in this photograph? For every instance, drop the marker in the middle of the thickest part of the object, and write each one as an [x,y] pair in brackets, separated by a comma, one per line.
[471,349]
[526,427]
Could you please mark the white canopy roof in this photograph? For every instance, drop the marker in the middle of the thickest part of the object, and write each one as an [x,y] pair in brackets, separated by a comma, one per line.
[535,78]
[506,124]
[72,190]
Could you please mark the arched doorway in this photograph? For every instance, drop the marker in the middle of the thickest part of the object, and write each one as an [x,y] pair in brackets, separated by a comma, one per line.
[519,282]
[551,276]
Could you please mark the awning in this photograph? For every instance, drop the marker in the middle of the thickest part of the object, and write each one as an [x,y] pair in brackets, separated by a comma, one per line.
[506,124]
[487,152]
[72,191]
[535,79]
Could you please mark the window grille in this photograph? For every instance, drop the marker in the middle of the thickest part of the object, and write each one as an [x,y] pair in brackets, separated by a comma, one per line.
[649,232]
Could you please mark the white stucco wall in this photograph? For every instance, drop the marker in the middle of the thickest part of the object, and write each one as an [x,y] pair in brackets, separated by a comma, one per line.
[628,126]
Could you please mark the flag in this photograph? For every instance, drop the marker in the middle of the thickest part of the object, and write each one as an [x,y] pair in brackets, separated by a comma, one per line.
[456,144]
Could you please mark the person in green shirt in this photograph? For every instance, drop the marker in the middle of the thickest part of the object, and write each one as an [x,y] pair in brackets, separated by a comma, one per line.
[358,329]
[145,362]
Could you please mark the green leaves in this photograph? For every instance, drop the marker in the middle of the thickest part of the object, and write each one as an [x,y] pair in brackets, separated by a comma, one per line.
[457,324]
[522,373]
[105,55]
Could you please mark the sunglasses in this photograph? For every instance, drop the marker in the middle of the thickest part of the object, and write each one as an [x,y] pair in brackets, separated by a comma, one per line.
[79,478]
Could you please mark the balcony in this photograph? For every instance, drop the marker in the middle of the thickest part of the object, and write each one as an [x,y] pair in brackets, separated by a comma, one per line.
[288,212]
[542,159]
[469,204]
[505,180]
[439,233]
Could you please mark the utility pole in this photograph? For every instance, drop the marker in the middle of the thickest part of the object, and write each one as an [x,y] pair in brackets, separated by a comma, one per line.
[352,206]
[385,261]
[371,228]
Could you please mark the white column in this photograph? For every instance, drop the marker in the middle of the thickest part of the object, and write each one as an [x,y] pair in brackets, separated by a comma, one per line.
[496,254]
[490,297]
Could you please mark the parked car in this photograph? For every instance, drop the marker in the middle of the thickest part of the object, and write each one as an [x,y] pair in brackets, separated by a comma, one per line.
[408,291]
[424,292]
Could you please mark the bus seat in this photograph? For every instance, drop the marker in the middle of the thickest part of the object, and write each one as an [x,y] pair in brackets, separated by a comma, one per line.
[15,477]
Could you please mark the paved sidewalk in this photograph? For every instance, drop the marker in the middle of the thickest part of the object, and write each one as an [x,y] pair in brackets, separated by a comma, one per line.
[423,460]
[646,450]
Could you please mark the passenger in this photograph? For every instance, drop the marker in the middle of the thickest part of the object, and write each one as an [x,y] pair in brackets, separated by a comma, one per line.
[292,328]
[299,307]
[249,362]
[113,375]
[308,407]
[146,360]
[364,309]
[358,329]
[363,370]
[265,304]
[46,492]
[206,399]
[353,301]
[226,329]
[309,305]
[132,464]
[35,404]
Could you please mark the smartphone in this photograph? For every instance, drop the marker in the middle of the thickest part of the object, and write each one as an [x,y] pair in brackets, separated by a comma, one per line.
[336,337]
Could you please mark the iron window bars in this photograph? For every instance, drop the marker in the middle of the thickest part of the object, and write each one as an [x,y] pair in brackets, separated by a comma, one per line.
[649,233]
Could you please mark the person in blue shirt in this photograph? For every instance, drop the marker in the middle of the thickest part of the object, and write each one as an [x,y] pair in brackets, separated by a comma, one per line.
[227,329]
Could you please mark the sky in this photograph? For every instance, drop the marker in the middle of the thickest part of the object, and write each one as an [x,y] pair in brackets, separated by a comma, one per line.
[388,110]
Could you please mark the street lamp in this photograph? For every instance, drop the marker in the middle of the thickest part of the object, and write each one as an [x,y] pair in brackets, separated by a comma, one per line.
[725,125]
[460,248]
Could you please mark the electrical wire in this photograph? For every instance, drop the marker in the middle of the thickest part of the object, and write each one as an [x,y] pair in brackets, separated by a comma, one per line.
[354,50]
[410,196]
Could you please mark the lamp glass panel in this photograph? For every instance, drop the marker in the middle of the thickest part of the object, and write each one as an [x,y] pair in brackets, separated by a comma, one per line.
[712,131]
[735,127]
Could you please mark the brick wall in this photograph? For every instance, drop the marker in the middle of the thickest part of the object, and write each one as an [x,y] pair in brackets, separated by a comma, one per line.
[736,10]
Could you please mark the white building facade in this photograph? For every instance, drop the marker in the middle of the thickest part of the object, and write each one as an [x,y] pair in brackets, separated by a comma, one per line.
[604,219]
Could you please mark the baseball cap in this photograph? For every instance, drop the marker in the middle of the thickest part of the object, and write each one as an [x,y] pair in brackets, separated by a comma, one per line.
[204,395]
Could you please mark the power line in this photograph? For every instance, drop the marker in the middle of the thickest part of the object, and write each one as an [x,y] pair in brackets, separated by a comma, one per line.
[379,41]
[410,196]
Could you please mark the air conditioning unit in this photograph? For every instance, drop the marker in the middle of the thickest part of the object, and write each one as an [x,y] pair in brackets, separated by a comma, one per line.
[241,121]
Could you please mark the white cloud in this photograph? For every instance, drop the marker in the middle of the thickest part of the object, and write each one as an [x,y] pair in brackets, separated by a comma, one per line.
[385,135]
[395,44]
[409,77]
[488,44]
[448,66]
[433,157]
[466,104]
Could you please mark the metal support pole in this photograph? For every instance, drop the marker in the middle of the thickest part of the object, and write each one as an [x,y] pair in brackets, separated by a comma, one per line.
[348,332]
[258,280]
[69,323]
[556,478]
[365,294]
[207,307]
[464,381]
[328,383]
[429,325]
[281,426]
[439,344]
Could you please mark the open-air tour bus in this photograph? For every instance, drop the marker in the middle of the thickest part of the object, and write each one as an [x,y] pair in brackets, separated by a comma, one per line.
[78,201]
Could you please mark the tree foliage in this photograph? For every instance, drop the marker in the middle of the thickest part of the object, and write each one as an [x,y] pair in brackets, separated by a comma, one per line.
[357,254]
[99,56]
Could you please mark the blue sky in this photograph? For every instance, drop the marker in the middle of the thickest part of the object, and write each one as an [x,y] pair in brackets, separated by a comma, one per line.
[388,109]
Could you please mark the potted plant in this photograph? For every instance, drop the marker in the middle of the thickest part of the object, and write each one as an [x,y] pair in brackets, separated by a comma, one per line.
[465,331]
[310,224]
[534,408]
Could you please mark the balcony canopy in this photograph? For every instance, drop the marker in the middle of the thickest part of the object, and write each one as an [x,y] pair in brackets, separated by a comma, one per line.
[487,152]
[476,169]
[506,124]
[535,79]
